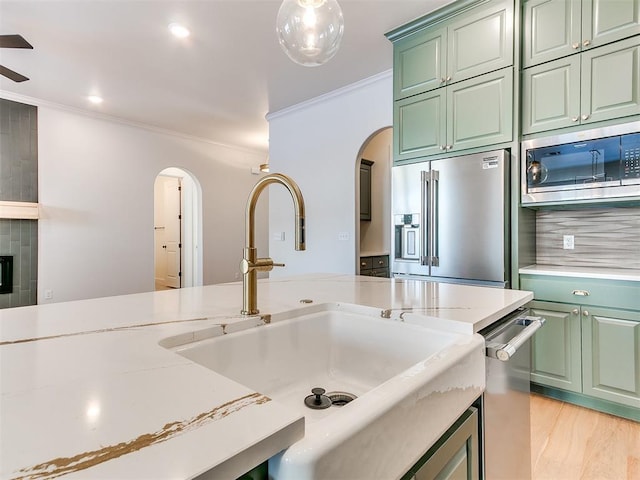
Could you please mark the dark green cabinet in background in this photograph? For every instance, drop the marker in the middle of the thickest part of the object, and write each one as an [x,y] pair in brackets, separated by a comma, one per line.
[365,189]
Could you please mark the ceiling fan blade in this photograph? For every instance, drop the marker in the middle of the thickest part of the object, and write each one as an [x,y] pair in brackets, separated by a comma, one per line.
[14,41]
[10,74]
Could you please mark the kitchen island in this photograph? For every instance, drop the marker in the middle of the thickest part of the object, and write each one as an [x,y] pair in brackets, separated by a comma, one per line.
[89,389]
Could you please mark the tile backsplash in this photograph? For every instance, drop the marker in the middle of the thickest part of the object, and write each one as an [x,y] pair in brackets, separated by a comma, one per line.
[603,237]
[19,238]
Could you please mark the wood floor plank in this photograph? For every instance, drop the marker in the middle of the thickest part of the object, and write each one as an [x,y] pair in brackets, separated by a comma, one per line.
[575,443]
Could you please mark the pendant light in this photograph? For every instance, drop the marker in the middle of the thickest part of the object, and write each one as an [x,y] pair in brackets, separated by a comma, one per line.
[309,31]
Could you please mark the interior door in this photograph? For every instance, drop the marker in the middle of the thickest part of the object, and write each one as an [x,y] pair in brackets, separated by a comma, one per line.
[172,206]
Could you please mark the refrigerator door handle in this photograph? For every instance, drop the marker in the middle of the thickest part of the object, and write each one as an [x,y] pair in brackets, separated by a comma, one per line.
[433,218]
[424,216]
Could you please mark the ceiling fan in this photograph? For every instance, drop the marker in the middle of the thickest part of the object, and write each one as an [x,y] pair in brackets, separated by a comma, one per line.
[13,41]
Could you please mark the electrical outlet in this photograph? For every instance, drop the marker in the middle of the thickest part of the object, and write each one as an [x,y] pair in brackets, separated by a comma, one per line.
[568,242]
[48,294]
[278,236]
[343,236]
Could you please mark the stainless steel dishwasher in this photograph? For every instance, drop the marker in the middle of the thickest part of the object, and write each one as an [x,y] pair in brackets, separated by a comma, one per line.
[506,429]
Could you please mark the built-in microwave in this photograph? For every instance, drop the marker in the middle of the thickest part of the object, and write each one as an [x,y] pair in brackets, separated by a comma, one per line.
[596,164]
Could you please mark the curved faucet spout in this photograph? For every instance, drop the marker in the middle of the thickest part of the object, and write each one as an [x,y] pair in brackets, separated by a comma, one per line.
[251,264]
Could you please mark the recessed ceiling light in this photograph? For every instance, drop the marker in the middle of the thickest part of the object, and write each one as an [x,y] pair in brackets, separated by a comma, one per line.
[95,99]
[179,31]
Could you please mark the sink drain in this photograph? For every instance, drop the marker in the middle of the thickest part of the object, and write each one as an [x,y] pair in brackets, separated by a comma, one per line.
[318,400]
[339,399]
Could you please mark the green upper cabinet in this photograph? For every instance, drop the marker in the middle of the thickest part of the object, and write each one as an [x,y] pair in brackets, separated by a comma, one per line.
[551,30]
[466,45]
[447,119]
[480,41]
[611,81]
[419,63]
[480,111]
[556,28]
[453,79]
[581,89]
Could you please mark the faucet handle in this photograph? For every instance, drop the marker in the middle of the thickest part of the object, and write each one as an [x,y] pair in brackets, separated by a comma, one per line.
[278,264]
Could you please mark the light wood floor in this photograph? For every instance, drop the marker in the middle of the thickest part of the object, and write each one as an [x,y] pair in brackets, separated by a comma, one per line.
[574,443]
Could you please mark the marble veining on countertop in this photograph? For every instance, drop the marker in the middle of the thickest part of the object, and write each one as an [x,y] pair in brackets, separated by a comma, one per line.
[88,391]
[630,275]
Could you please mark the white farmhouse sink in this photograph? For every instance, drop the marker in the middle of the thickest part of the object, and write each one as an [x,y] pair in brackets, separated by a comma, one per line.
[412,382]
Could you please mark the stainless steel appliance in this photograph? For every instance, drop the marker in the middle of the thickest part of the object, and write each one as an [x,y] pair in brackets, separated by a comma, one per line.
[597,164]
[451,219]
[506,429]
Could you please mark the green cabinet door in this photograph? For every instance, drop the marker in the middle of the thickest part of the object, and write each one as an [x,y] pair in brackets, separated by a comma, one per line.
[481,41]
[419,124]
[551,30]
[611,81]
[611,355]
[606,21]
[551,95]
[480,111]
[555,348]
[419,62]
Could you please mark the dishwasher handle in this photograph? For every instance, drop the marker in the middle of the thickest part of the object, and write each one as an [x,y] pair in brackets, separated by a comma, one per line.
[504,351]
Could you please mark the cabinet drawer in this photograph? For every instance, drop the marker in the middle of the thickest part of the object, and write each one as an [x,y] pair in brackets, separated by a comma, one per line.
[584,291]
[366,263]
[381,261]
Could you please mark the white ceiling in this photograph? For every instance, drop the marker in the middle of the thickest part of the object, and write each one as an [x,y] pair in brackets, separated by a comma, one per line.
[218,84]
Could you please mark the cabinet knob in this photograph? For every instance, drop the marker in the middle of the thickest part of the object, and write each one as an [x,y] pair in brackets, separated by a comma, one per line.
[449,78]
[575,46]
[575,311]
[442,80]
[449,147]
[581,293]
[443,147]
[380,262]
[363,264]
[586,43]
[574,119]
[585,116]
[585,313]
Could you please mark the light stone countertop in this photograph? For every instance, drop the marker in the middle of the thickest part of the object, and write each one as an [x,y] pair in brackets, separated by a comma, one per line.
[88,392]
[583,272]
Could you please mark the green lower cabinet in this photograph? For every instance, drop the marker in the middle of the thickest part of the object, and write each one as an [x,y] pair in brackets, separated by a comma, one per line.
[611,355]
[556,348]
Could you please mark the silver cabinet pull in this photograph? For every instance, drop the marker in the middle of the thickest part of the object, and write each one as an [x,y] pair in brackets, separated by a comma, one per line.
[575,46]
[586,43]
[449,78]
[585,116]
[575,311]
[575,119]
[425,205]
[585,313]
[443,147]
[581,293]
[442,80]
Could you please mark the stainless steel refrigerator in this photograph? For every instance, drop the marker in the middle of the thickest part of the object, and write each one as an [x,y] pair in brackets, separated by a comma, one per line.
[451,219]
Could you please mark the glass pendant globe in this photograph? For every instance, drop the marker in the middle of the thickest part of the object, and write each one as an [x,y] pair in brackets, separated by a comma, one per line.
[309,31]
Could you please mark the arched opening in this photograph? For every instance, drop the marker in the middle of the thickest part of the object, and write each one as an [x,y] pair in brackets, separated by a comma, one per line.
[373,199]
[177,230]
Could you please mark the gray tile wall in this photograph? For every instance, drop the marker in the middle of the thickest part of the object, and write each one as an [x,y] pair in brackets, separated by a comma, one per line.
[604,237]
[19,238]
[19,183]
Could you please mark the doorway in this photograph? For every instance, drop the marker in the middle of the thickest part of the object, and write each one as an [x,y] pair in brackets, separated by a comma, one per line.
[177,230]
[373,229]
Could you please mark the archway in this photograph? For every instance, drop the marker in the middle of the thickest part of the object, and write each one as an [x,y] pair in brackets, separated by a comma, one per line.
[373,231]
[177,230]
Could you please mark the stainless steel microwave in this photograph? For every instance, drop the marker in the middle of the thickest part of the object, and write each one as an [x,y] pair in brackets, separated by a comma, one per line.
[596,164]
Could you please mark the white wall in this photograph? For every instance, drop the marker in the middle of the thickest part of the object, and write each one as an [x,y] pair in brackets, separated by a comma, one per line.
[96,179]
[317,144]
